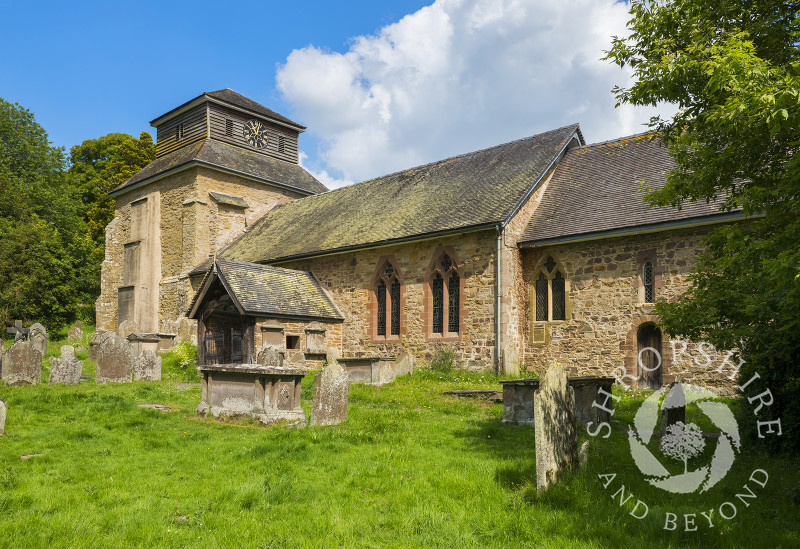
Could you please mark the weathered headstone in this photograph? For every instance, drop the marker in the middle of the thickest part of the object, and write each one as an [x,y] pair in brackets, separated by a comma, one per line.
[97,337]
[147,367]
[554,427]
[76,332]
[38,336]
[114,359]
[329,400]
[673,409]
[67,368]
[270,356]
[126,328]
[22,364]
[3,409]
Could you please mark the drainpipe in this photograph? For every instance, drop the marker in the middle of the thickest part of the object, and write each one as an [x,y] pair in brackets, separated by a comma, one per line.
[499,304]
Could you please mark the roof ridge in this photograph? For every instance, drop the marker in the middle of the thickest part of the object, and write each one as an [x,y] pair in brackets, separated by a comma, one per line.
[618,139]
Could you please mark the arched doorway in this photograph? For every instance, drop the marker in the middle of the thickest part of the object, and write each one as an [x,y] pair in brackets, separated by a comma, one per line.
[649,357]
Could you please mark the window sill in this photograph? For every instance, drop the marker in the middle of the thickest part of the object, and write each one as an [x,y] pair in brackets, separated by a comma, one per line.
[376,340]
[450,336]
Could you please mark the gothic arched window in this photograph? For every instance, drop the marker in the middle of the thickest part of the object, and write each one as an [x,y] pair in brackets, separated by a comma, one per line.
[387,307]
[444,305]
[550,292]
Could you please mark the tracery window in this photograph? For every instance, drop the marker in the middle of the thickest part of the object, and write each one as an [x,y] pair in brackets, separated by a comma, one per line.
[387,291]
[444,282]
[550,289]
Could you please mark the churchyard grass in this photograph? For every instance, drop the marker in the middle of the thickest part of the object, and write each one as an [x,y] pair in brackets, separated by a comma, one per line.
[410,468]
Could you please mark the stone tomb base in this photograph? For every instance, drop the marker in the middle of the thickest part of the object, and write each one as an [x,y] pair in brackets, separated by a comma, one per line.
[518,399]
[377,371]
[266,393]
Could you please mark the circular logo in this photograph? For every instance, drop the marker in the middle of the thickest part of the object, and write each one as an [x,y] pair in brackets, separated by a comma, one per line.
[680,440]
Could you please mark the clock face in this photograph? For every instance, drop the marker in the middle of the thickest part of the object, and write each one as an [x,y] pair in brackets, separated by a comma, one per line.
[255,133]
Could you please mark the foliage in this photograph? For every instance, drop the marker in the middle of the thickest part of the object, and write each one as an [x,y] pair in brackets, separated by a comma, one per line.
[443,361]
[46,274]
[180,363]
[98,166]
[733,70]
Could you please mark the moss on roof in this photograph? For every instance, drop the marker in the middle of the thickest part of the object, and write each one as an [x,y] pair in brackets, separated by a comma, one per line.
[270,291]
[595,188]
[467,191]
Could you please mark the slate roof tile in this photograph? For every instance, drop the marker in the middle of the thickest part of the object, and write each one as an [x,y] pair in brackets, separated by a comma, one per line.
[267,291]
[466,191]
[216,153]
[595,188]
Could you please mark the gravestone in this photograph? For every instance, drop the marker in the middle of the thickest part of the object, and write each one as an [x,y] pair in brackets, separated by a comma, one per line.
[126,328]
[76,332]
[38,336]
[20,333]
[673,409]
[329,401]
[97,337]
[22,364]
[67,368]
[147,367]
[3,409]
[554,427]
[114,359]
[270,356]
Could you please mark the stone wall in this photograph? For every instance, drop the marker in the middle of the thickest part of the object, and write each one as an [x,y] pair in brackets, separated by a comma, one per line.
[187,227]
[605,297]
[274,332]
[347,278]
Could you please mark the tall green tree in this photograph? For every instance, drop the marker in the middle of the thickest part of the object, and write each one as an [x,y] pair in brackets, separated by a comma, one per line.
[99,165]
[46,271]
[732,67]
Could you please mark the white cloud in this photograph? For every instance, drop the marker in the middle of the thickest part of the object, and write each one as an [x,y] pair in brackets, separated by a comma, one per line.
[458,76]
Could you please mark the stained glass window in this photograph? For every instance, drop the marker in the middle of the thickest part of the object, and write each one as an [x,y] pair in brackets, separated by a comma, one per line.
[649,287]
[395,307]
[559,297]
[437,289]
[389,271]
[380,294]
[541,298]
[452,296]
[549,264]
[446,263]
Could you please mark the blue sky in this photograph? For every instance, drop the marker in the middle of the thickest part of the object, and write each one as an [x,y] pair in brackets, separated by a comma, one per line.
[381,85]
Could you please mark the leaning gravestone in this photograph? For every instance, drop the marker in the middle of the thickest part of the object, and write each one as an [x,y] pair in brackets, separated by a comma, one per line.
[554,427]
[329,401]
[67,368]
[76,332]
[147,367]
[2,417]
[114,359]
[22,364]
[38,336]
[270,356]
[97,337]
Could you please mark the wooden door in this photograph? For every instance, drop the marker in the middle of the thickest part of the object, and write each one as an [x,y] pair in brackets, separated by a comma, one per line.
[649,363]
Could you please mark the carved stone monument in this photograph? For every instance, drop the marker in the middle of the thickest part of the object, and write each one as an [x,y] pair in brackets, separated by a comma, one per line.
[38,336]
[329,401]
[270,356]
[22,364]
[554,427]
[147,367]
[67,368]
[114,359]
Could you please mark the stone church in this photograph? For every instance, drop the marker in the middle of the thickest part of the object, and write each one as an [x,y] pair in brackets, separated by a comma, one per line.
[513,257]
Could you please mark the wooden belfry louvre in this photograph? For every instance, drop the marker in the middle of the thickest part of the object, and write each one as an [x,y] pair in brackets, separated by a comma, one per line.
[235,296]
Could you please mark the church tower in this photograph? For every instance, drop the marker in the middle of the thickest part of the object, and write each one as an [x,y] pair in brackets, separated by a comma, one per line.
[222,162]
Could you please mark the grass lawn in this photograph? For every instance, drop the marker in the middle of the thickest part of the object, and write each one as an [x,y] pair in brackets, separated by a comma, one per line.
[410,468]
